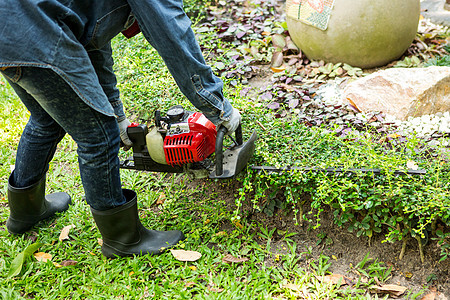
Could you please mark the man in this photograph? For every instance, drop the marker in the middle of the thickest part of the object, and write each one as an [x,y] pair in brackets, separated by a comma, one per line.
[56,55]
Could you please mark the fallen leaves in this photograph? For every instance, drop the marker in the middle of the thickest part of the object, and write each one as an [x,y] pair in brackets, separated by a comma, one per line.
[215,290]
[189,284]
[69,262]
[42,256]
[336,279]
[231,259]
[430,296]
[391,289]
[238,224]
[19,260]
[354,106]
[183,255]
[161,199]
[221,234]
[64,235]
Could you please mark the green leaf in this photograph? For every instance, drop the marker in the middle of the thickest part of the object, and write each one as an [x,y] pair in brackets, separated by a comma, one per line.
[17,263]
[220,65]
[336,66]
[415,60]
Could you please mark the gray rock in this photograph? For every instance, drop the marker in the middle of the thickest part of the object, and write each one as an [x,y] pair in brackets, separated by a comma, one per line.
[436,11]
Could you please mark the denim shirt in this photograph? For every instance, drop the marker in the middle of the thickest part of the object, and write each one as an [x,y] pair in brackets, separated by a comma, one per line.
[72,37]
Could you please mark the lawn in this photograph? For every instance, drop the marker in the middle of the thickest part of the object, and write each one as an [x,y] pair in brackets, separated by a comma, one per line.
[260,236]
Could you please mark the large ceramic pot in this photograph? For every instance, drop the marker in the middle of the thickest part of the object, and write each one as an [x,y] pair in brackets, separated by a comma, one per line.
[361,33]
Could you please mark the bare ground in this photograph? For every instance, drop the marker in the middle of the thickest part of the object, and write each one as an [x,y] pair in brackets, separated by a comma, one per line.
[344,249]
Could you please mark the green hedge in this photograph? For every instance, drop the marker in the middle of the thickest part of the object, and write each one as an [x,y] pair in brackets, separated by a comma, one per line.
[396,205]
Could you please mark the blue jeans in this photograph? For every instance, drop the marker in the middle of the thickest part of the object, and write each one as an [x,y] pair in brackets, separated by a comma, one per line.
[72,38]
[56,109]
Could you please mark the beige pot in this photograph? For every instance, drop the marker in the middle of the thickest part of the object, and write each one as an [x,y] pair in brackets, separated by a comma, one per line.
[361,33]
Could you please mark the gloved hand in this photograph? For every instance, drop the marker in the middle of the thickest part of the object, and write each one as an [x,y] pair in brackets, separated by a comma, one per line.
[232,124]
[123,125]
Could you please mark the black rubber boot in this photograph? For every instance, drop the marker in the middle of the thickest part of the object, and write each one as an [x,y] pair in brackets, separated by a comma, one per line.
[124,235]
[29,205]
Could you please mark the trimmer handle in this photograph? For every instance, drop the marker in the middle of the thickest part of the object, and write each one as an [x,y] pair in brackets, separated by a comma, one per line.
[221,132]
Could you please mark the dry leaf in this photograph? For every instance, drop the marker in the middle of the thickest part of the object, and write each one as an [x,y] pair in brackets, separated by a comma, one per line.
[57,265]
[221,233]
[394,135]
[231,259]
[411,165]
[189,284]
[216,290]
[333,279]
[354,105]
[42,256]
[391,289]
[69,262]
[64,235]
[430,296]
[278,69]
[277,60]
[100,241]
[238,224]
[183,255]
[161,199]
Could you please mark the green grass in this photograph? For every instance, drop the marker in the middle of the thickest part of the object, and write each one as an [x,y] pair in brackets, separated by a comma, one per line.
[195,207]
[192,207]
[160,277]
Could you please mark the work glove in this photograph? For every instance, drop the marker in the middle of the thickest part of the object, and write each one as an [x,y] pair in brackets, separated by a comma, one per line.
[232,124]
[123,125]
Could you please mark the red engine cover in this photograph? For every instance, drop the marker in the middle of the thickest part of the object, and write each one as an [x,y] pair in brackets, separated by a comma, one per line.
[190,142]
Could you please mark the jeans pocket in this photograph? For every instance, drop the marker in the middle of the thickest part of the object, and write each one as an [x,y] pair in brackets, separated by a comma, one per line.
[13,74]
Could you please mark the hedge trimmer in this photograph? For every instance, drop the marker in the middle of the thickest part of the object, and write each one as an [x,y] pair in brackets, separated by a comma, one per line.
[183,141]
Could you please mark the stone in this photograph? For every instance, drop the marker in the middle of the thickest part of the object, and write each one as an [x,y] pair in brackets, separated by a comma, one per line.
[438,11]
[362,33]
[402,92]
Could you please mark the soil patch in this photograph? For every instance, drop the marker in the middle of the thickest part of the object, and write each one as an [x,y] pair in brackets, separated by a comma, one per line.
[344,249]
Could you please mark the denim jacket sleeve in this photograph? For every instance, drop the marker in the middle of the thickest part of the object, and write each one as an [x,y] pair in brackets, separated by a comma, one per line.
[168,29]
[103,64]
